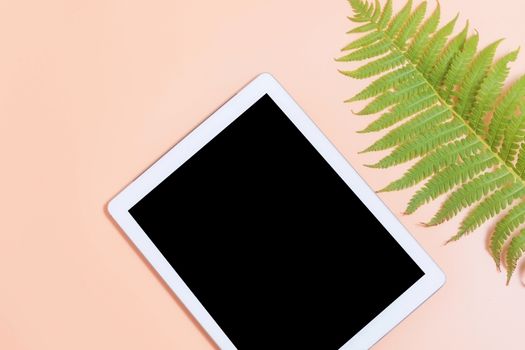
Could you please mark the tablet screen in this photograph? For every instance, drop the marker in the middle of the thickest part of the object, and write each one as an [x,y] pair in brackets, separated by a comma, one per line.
[271,241]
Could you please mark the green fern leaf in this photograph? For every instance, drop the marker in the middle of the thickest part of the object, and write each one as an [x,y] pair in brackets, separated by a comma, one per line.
[490,89]
[434,162]
[386,14]
[395,25]
[437,94]
[377,11]
[434,47]
[520,164]
[379,66]
[489,208]
[452,49]
[470,193]
[365,28]
[367,52]
[516,250]
[504,111]
[477,72]
[423,35]
[448,178]
[514,135]
[362,11]
[410,28]
[514,218]
[422,144]
[402,111]
[458,68]
[422,122]
[408,91]
[367,40]
[385,83]
[359,6]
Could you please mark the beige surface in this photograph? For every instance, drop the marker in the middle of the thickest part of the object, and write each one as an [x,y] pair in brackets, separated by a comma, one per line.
[92,92]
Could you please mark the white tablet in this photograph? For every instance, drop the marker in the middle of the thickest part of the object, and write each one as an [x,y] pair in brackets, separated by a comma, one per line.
[269,237]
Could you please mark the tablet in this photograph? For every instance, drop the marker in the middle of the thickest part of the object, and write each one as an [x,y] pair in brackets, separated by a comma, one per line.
[269,237]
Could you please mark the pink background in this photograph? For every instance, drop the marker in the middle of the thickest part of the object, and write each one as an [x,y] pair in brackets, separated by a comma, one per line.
[92,92]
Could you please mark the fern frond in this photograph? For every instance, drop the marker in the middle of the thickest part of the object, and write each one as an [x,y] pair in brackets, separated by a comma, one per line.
[385,83]
[421,123]
[458,68]
[437,91]
[423,35]
[490,207]
[366,40]
[520,164]
[362,11]
[449,177]
[516,250]
[452,49]
[432,163]
[377,10]
[410,28]
[373,50]
[407,91]
[423,143]
[381,65]
[365,28]
[514,135]
[514,218]
[402,111]
[470,193]
[359,7]
[386,14]
[395,25]
[477,72]
[505,109]
[489,91]
[434,47]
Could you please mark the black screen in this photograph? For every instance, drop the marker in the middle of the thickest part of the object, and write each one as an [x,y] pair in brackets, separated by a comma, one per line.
[270,239]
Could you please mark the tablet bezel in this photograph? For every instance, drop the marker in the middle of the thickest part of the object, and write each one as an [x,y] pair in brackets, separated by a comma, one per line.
[119,208]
